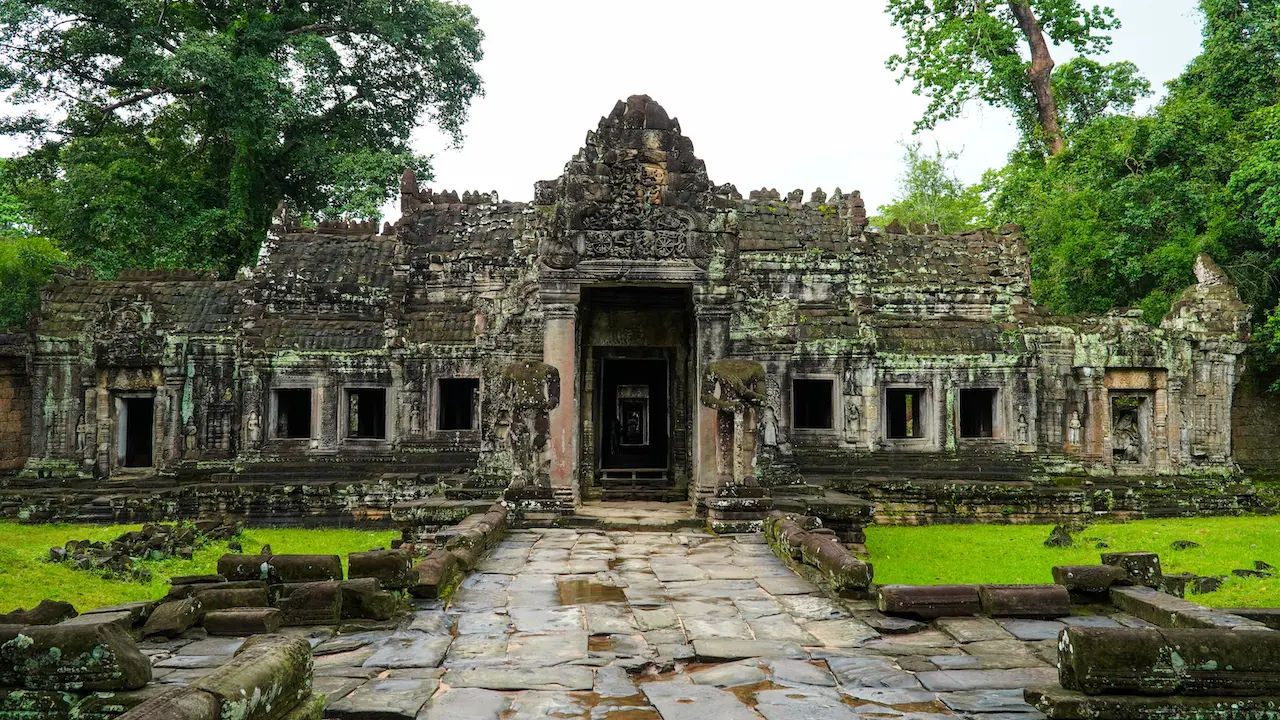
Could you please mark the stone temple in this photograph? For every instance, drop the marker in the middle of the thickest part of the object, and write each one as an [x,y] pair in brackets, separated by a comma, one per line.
[635,332]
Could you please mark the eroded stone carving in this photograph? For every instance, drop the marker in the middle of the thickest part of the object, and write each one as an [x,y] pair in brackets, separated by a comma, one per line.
[527,393]
[735,389]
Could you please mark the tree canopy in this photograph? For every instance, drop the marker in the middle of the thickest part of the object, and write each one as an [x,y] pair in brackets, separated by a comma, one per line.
[26,261]
[165,133]
[930,193]
[962,50]
[1117,214]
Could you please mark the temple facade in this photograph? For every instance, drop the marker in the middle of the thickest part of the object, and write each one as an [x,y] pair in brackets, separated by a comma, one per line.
[902,367]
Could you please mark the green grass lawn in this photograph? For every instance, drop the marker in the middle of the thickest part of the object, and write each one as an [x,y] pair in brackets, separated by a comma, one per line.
[1016,553]
[26,579]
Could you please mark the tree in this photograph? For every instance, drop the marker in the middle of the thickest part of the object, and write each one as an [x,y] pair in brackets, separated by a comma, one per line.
[26,261]
[165,133]
[1119,216]
[930,193]
[962,50]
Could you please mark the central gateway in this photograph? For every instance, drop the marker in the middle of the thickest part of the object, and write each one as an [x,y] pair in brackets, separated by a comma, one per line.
[636,405]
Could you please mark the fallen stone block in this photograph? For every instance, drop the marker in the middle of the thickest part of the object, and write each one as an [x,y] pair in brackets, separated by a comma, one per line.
[1060,704]
[1143,568]
[243,621]
[171,619]
[48,612]
[180,592]
[303,568]
[36,704]
[139,611]
[435,575]
[1163,661]
[834,561]
[1168,611]
[929,601]
[235,566]
[365,598]
[393,569]
[121,618]
[179,703]
[87,657]
[214,600]
[1089,579]
[268,677]
[1042,602]
[1176,584]
[108,705]
[315,603]
[197,579]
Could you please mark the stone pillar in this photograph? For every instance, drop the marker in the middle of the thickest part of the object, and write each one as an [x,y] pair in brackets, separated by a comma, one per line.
[560,348]
[711,344]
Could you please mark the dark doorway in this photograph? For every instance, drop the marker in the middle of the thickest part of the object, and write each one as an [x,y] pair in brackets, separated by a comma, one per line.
[293,413]
[138,419]
[977,413]
[458,403]
[813,403]
[635,432]
[905,413]
[367,414]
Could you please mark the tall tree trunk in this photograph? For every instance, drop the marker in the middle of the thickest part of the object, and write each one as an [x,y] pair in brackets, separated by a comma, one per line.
[1040,74]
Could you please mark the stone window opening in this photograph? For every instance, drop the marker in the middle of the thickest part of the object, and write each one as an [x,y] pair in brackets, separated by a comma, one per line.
[905,413]
[1130,428]
[813,404]
[293,413]
[135,430]
[367,413]
[458,400]
[978,413]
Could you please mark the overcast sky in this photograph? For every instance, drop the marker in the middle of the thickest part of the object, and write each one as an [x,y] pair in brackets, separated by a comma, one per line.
[781,95]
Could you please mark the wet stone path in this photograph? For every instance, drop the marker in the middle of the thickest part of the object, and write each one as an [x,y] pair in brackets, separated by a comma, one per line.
[677,626]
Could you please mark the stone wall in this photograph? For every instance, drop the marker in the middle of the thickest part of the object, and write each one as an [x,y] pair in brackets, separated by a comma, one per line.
[15,403]
[894,332]
[1255,426]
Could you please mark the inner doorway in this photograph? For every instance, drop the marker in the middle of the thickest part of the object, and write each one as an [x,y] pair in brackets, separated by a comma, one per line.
[135,440]
[635,410]
[637,427]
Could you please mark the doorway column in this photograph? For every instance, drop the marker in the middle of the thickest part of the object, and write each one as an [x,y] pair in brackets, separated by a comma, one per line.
[560,348]
[711,343]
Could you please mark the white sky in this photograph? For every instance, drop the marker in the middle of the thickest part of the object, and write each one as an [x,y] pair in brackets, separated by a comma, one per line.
[781,95]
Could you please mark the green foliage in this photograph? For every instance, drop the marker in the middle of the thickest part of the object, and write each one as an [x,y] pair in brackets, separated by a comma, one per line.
[1087,90]
[28,579]
[958,51]
[26,265]
[1016,553]
[165,134]
[1118,217]
[930,193]
[26,261]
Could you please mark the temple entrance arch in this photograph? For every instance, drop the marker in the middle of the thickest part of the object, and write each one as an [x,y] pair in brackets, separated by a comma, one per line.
[636,409]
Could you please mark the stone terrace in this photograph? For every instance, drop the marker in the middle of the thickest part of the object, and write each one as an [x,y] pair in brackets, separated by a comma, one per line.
[626,626]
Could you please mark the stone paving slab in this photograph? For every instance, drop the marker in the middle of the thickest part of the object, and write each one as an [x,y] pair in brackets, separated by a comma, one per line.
[386,699]
[467,704]
[678,701]
[410,650]
[522,678]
